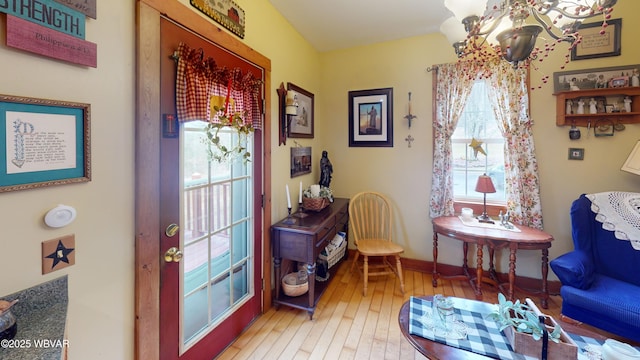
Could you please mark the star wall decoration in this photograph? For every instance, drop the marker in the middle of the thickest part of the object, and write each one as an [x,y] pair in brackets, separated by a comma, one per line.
[58,253]
[476,145]
[61,254]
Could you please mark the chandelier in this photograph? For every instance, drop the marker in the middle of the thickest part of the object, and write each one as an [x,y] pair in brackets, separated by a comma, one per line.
[509,28]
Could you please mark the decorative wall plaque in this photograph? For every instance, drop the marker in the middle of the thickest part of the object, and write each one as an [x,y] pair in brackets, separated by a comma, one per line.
[226,13]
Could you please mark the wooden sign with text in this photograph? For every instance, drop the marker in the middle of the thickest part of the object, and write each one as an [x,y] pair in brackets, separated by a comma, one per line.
[28,36]
[47,13]
[87,7]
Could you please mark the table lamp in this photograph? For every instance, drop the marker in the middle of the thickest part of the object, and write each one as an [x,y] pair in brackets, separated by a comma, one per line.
[485,186]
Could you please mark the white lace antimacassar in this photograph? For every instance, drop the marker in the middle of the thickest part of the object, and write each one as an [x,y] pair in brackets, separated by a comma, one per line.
[619,212]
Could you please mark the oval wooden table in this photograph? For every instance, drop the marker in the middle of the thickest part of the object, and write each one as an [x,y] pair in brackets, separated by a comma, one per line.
[494,238]
[435,350]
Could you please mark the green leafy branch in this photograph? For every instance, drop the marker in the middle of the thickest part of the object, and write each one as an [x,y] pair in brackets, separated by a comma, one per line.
[217,150]
[522,318]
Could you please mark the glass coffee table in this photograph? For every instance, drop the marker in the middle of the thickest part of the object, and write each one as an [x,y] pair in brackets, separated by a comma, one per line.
[437,350]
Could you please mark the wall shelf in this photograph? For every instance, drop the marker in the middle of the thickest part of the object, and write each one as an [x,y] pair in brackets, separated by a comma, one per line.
[633,117]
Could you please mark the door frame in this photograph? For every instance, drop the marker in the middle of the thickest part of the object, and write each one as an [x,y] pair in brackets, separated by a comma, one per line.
[147,139]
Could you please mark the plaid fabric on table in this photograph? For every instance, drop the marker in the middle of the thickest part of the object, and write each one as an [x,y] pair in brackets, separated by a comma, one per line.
[483,335]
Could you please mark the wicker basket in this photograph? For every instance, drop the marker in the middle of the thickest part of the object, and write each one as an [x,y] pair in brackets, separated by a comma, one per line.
[335,256]
[315,204]
[292,286]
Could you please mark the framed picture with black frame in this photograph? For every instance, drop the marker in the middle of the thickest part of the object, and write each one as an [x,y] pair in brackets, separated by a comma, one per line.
[371,118]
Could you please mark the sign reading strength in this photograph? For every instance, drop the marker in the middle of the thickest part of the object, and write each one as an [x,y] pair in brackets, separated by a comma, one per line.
[47,13]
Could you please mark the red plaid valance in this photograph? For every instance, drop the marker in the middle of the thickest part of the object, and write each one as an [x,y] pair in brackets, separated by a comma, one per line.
[201,83]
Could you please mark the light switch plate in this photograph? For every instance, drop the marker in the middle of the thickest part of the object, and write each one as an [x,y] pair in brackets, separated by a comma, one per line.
[58,253]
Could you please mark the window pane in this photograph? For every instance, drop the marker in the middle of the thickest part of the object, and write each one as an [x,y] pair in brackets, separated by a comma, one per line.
[477,122]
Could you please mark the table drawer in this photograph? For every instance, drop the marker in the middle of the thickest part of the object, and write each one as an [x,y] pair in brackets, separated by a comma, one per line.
[327,226]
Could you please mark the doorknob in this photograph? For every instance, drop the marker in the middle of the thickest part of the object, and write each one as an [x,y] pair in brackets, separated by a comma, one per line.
[173,255]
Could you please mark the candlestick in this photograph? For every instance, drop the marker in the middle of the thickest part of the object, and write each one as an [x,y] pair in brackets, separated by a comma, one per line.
[288,197]
[300,194]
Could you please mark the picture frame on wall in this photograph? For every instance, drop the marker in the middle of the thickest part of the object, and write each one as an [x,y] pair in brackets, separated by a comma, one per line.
[47,143]
[597,45]
[300,161]
[371,118]
[301,125]
[596,78]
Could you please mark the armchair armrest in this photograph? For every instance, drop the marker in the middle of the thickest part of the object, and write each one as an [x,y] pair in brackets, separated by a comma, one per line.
[574,269]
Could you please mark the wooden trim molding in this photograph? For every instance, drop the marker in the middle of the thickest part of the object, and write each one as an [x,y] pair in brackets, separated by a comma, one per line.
[147,203]
[147,250]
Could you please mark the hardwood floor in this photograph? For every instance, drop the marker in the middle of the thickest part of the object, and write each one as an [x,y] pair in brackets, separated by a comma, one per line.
[347,325]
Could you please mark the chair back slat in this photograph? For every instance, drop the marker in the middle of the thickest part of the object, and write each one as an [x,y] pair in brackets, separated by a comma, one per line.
[370,216]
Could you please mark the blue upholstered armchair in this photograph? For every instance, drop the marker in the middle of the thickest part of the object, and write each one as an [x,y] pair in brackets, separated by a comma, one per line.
[601,276]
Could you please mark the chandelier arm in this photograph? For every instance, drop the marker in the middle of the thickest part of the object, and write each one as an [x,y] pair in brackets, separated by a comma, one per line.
[548,28]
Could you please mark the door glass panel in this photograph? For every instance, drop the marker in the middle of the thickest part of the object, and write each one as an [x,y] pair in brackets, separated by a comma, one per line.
[218,236]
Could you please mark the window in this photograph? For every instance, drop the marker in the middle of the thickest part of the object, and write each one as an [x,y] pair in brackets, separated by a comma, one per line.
[478,122]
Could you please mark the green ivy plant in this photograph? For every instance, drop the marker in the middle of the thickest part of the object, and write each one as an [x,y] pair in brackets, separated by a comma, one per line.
[217,150]
[522,318]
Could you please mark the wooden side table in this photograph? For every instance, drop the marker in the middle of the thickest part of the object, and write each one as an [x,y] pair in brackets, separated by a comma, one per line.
[494,238]
[302,241]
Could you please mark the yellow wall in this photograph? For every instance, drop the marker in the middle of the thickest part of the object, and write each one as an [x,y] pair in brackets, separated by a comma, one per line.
[101,320]
[404,174]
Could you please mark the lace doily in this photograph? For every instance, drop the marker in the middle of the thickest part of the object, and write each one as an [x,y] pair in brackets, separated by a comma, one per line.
[618,212]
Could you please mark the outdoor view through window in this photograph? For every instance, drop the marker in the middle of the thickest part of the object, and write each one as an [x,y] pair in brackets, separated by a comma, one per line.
[477,122]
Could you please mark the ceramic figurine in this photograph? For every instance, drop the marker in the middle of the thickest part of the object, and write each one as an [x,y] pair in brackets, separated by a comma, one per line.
[580,107]
[592,106]
[627,104]
[569,109]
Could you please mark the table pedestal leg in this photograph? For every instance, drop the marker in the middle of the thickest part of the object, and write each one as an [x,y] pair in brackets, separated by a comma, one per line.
[479,273]
[434,280]
[311,279]
[276,265]
[545,271]
[512,270]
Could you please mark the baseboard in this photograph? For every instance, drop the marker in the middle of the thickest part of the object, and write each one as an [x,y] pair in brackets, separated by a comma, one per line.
[426,267]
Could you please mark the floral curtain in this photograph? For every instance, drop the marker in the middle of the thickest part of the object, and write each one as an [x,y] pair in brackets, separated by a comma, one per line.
[510,102]
[453,86]
[201,84]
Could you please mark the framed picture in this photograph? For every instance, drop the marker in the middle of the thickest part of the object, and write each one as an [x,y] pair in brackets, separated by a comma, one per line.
[596,45]
[226,13]
[597,78]
[45,142]
[301,125]
[371,118]
[300,161]
[576,154]
[632,164]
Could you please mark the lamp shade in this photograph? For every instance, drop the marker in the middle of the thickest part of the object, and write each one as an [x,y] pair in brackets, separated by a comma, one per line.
[453,30]
[485,185]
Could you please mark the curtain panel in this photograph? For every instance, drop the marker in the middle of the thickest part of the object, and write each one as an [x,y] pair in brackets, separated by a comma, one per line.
[453,87]
[509,99]
[201,84]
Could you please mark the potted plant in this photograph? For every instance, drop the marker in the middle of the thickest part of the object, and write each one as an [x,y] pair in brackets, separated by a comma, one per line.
[522,325]
[316,197]
[220,152]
